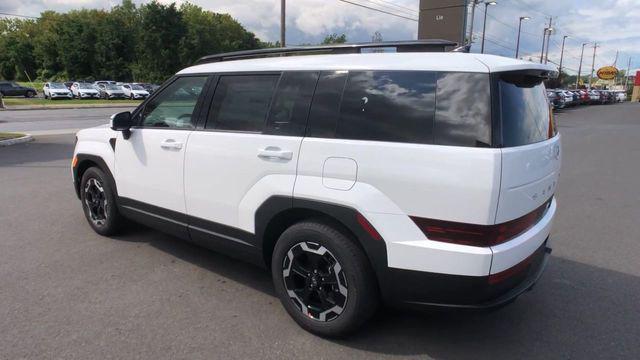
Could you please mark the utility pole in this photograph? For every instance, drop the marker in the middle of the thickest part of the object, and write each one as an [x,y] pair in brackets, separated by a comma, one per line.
[626,75]
[593,63]
[473,15]
[544,35]
[282,23]
[580,67]
[561,56]
[546,56]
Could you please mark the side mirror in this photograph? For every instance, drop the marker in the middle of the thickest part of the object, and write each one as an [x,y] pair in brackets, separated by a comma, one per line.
[122,122]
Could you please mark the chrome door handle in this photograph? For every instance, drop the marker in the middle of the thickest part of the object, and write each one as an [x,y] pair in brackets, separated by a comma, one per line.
[272,152]
[171,144]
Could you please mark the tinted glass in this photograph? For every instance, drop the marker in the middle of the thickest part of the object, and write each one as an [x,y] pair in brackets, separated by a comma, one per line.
[173,107]
[388,106]
[58,86]
[524,110]
[290,108]
[241,102]
[463,110]
[325,109]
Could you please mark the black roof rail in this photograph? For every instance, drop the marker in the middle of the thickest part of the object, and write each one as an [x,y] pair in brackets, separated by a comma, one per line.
[432,45]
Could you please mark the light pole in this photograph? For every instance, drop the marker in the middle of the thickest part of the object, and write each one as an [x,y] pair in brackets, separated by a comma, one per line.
[484,26]
[561,56]
[282,22]
[520,28]
[580,67]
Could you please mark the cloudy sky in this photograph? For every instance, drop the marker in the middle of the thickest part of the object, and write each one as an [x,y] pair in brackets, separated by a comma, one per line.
[613,24]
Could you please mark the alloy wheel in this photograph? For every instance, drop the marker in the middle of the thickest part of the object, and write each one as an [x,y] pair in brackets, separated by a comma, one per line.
[96,201]
[315,281]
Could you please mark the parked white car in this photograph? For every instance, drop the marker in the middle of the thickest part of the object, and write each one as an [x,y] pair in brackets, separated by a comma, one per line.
[56,90]
[355,178]
[110,91]
[83,90]
[134,91]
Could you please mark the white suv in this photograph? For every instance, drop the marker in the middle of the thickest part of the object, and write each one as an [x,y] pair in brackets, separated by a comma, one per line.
[422,178]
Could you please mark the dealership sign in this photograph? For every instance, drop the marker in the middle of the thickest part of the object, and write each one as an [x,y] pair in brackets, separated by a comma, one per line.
[607,73]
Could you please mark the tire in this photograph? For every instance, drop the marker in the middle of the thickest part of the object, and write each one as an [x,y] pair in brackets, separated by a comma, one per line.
[107,220]
[29,94]
[343,275]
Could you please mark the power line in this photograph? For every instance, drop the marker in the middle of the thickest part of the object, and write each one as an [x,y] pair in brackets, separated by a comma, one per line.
[389,8]
[529,7]
[379,10]
[511,26]
[18,15]
[399,7]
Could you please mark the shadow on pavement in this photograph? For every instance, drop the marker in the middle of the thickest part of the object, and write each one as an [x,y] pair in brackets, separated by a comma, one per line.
[43,149]
[584,311]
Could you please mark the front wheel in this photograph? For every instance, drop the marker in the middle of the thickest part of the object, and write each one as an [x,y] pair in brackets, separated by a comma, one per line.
[323,279]
[30,94]
[99,202]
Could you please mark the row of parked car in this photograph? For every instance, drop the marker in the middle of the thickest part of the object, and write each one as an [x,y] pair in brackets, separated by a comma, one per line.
[561,98]
[104,89]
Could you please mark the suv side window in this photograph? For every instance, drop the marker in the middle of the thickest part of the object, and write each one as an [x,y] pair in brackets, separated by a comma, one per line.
[173,107]
[241,102]
[325,109]
[395,106]
[290,108]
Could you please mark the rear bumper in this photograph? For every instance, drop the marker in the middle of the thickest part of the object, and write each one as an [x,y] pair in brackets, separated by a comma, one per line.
[416,289]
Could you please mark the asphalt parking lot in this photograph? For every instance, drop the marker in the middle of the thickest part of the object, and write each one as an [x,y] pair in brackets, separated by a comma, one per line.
[66,292]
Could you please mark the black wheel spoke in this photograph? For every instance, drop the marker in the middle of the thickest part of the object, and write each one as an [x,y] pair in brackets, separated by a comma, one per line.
[310,277]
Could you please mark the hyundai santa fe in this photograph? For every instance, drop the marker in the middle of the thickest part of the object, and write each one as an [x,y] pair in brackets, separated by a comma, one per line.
[420,179]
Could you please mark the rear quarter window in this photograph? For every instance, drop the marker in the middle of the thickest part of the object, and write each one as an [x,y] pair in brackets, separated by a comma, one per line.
[463,110]
[396,106]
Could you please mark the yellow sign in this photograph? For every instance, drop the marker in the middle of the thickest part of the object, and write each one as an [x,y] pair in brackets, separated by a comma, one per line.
[607,73]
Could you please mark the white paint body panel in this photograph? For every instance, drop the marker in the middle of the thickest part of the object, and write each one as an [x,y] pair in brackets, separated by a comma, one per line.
[529,177]
[148,172]
[397,180]
[226,181]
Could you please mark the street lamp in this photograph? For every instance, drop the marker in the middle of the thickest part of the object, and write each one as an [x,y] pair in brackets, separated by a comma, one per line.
[546,55]
[484,26]
[561,56]
[520,28]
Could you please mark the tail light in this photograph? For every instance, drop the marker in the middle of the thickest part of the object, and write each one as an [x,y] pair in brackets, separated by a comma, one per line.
[479,235]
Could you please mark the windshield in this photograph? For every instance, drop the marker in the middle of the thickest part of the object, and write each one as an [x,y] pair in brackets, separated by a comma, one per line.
[85,86]
[113,87]
[136,87]
[524,111]
[57,86]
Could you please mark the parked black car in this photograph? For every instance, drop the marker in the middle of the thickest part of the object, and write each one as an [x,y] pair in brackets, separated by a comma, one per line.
[11,88]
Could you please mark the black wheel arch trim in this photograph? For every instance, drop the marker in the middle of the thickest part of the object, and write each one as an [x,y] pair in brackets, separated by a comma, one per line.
[83,163]
[270,212]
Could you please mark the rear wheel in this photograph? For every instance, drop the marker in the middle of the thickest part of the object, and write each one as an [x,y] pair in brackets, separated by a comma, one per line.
[323,279]
[29,94]
[99,202]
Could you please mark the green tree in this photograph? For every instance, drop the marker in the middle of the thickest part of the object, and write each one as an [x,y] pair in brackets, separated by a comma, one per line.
[158,45]
[115,47]
[334,39]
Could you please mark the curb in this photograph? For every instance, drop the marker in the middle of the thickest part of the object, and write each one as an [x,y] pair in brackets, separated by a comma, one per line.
[70,107]
[16,141]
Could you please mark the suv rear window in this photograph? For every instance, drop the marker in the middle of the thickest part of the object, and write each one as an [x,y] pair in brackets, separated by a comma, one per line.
[524,110]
